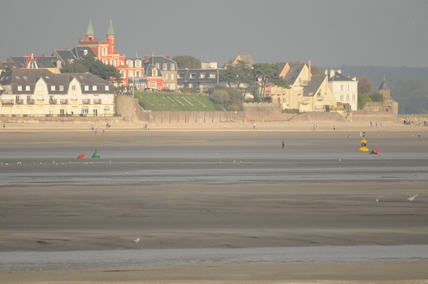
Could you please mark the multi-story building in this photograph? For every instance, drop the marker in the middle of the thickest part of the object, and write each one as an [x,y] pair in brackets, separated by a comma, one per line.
[344,88]
[168,69]
[200,79]
[39,92]
[105,51]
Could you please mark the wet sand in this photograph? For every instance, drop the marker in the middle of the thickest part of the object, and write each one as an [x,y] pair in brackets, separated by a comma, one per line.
[82,213]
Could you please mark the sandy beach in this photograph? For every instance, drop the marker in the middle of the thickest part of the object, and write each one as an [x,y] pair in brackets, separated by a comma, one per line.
[213,187]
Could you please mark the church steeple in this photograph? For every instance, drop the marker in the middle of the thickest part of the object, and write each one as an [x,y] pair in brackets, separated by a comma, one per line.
[110,29]
[90,32]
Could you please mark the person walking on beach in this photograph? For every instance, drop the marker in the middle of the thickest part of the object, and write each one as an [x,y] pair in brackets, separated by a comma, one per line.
[282,143]
[334,127]
[4,125]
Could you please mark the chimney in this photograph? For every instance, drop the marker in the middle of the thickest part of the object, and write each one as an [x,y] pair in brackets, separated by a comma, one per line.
[309,70]
[339,71]
[146,58]
[326,72]
[349,76]
[331,73]
[67,48]
[169,57]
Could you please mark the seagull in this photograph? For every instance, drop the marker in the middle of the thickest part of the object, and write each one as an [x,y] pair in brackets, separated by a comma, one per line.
[136,240]
[411,198]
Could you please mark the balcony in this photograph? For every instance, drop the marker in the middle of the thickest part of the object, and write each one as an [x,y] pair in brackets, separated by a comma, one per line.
[53,102]
[97,101]
[19,102]
[30,101]
[64,101]
[7,102]
[86,101]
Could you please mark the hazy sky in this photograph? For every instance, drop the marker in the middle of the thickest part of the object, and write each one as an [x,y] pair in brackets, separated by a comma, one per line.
[331,33]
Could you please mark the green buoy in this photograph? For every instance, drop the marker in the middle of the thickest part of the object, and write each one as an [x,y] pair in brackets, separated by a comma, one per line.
[96,155]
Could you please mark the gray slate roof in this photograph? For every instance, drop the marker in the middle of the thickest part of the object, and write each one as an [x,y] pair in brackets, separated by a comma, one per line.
[29,77]
[293,73]
[314,85]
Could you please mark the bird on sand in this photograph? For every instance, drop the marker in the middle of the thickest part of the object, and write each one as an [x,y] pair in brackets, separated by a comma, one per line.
[136,240]
[411,198]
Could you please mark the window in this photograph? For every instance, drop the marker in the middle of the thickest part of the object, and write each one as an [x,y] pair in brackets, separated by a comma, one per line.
[152,85]
[94,88]
[27,88]
[85,52]
[157,66]
[180,76]
[347,97]
[212,75]
[347,87]
[107,88]
[85,110]
[129,62]
[319,94]
[104,51]
[137,63]
[172,66]
[165,66]
[86,88]
[25,77]
[192,76]
[341,87]
[19,88]
[137,74]
[39,88]
[17,77]
[154,73]
[341,98]
[165,76]
[113,62]
[353,97]
[130,73]
[73,87]
[52,88]
[190,85]
[120,62]
[202,75]
[105,61]
[172,76]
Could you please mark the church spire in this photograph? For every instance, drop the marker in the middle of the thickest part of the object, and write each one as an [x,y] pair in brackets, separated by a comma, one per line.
[90,31]
[110,29]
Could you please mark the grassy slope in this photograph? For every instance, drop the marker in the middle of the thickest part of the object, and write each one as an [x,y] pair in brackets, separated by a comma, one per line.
[174,102]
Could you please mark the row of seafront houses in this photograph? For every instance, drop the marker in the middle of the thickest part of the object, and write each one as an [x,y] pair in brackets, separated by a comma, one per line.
[35,87]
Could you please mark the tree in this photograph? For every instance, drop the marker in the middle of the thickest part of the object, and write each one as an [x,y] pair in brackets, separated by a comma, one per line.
[75,67]
[240,75]
[94,66]
[220,97]
[411,95]
[364,85]
[187,62]
[265,72]
[362,100]
[227,98]
[376,97]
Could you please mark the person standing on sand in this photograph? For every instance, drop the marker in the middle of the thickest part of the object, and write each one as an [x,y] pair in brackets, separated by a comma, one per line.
[4,125]
[282,143]
[334,127]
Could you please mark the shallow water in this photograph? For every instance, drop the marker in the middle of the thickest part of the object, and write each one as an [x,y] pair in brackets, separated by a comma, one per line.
[14,261]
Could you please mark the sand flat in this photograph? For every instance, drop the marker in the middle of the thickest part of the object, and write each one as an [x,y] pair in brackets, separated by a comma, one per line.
[197,203]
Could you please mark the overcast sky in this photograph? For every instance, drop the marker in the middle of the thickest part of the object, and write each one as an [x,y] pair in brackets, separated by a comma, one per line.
[331,33]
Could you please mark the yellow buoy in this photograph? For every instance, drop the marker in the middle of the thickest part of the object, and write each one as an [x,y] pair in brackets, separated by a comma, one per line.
[363,147]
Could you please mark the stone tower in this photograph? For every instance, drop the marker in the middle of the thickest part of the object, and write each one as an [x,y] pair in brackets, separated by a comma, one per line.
[384,91]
